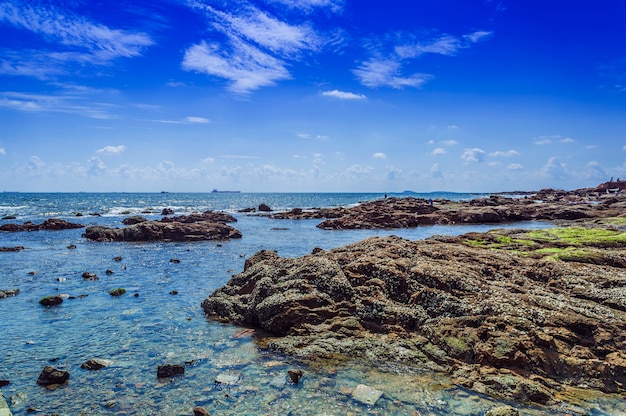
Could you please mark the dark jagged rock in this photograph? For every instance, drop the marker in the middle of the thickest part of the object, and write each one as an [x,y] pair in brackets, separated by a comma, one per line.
[135,219]
[52,224]
[51,375]
[51,300]
[513,326]
[170,370]
[195,227]
[264,208]
[9,217]
[117,292]
[167,211]
[11,249]
[95,364]
[8,292]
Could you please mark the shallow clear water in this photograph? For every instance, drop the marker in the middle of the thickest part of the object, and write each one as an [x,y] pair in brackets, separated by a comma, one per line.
[139,333]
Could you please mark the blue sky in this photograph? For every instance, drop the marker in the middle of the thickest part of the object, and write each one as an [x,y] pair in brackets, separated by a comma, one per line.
[311,95]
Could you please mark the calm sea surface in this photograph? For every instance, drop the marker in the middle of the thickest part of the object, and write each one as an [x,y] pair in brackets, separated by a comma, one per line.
[139,333]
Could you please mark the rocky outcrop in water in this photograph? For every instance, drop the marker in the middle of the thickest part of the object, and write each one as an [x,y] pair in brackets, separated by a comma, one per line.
[194,227]
[5,293]
[406,212]
[498,317]
[51,375]
[51,224]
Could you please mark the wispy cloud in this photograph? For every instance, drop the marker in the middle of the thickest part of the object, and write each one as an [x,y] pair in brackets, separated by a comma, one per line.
[3,151]
[515,166]
[379,155]
[343,95]
[112,150]
[439,151]
[308,136]
[198,120]
[386,67]
[555,138]
[69,103]
[377,72]
[186,120]
[256,50]
[309,5]
[508,153]
[77,40]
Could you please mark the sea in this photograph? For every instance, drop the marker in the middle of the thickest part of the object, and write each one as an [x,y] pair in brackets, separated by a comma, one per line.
[159,319]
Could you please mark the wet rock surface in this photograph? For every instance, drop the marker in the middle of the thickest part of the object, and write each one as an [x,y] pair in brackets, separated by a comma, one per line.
[51,375]
[5,293]
[195,227]
[515,314]
[51,224]
[406,212]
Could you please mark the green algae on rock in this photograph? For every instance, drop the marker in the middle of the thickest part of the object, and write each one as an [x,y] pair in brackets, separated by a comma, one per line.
[501,318]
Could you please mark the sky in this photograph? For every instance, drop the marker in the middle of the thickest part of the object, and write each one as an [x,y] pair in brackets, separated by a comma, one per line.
[311,95]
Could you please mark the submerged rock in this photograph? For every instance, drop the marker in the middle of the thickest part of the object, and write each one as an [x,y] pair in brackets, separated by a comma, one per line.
[11,249]
[510,324]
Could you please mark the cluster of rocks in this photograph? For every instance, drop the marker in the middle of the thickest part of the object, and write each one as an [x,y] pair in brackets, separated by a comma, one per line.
[514,327]
[195,227]
[413,212]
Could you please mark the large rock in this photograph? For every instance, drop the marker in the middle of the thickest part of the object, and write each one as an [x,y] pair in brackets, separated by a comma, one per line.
[195,227]
[504,324]
[51,224]
[51,375]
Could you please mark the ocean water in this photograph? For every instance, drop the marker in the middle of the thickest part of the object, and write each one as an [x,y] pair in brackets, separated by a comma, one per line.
[160,321]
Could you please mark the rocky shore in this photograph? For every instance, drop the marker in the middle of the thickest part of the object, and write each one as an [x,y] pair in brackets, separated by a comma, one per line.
[527,316]
[388,213]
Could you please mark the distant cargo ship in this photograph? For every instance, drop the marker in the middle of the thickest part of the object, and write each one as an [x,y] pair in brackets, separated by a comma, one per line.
[215,191]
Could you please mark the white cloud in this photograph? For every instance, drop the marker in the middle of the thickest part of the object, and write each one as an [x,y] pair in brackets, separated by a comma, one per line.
[246,67]
[344,95]
[200,120]
[3,151]
[555,169]
[208,160]
[473,155]
[439,151]
[256,50]
[449,143]
[69,103]
[385,68]
[508,153]
[435,171]
[379,155]
[309,5]
[542,140]
[515,166]
[377,73]
[112,150]
[85,42]
[304,135]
